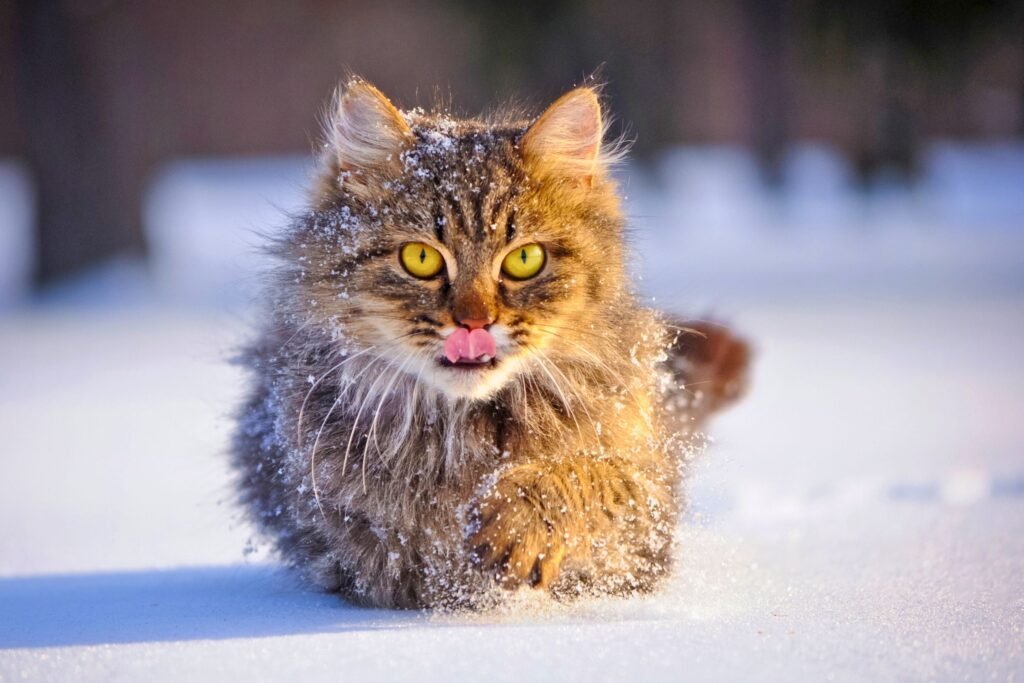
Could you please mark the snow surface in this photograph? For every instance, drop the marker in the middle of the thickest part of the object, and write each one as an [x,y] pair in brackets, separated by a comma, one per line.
[860,516]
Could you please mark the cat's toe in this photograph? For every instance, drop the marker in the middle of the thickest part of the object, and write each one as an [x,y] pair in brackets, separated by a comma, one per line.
[514,544]
[547,565]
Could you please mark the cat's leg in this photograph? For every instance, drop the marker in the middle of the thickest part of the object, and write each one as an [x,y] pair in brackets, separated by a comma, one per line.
[595,516]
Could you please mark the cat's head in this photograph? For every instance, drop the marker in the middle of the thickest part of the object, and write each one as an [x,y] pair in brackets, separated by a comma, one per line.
[466,253]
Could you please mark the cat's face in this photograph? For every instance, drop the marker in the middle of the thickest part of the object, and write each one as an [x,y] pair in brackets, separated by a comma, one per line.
[466,254]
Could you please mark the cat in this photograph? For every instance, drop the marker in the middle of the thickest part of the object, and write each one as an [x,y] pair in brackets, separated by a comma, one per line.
[456,391]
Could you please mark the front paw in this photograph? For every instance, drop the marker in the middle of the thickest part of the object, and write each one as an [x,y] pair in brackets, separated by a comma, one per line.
[514,538]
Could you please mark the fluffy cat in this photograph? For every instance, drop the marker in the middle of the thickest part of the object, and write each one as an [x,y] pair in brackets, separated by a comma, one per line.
[456,390]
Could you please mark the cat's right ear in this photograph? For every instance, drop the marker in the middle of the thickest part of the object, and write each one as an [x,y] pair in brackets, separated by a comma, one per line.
[366,134]
[565,141]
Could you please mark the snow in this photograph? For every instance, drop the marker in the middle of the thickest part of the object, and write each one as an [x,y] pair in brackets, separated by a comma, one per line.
[16,216]
[860,516]
[205,221]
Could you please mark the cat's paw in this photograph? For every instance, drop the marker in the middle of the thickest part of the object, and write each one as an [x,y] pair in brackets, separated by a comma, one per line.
[513,538]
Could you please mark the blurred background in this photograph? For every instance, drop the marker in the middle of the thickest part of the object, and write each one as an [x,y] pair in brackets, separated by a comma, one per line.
[842,181]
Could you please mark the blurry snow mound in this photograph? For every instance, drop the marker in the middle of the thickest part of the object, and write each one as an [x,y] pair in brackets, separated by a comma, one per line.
[709,231]
[207,220]
[17,214]
[119,282]
[976,184]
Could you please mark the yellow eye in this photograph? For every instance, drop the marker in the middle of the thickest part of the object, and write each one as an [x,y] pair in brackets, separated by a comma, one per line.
[524,262]
[421,260]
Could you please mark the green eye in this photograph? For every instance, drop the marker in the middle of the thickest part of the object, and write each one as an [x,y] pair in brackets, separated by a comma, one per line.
[524,262]
[421,260]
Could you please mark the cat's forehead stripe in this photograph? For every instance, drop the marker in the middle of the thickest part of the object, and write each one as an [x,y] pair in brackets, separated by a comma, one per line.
[477,211]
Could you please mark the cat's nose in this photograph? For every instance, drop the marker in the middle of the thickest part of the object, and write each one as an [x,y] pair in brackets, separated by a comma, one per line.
[475,323]
[473,308]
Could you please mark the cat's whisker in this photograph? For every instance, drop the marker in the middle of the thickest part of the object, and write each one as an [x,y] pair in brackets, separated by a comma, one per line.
[536,389]
[703,321]
[362,404]
[316,442]
[300,328]
[545,427]
[558,388]
[521,395]
[688,330]
[314,385]
[412,414]
[433,325]
[517,395]
[324,375]
[575,390]
[611,373]
[372,434]
[521,386]
[312,456]
[596,335]
[581,347]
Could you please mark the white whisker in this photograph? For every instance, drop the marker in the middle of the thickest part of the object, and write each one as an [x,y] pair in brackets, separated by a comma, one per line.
[302,408]
[359,412]
[316,442]
[312,456]
[372,434]
[325,374]
[558,388]
[611,373]
[572,388]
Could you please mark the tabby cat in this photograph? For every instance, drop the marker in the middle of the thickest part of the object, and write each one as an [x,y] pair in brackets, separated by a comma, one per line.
[456,391]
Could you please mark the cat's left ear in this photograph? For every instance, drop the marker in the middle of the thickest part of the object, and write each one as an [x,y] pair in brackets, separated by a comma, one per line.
[566,140]
[366,135]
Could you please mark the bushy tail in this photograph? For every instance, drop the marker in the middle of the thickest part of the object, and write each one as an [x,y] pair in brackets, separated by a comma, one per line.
[710,365]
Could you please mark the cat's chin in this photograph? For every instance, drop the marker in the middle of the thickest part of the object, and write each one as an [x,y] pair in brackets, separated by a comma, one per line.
[471,380]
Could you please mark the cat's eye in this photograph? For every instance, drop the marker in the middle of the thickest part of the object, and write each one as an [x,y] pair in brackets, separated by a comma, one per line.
[421,260]
[524,262]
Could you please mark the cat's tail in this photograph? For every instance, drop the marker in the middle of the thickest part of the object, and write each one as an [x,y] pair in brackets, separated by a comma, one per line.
[710,366]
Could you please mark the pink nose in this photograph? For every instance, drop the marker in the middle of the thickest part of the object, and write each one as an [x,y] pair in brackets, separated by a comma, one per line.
[463,344]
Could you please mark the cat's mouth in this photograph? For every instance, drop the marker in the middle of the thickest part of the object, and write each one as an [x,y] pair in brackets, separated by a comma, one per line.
[474,364]
[466,349]
[469,364]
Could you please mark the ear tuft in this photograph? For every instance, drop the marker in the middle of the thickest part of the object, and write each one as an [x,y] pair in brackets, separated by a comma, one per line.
[365,132]
[566,139]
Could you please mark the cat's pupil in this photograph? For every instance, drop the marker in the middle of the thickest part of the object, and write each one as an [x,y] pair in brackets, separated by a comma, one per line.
[522,255]
[423,255]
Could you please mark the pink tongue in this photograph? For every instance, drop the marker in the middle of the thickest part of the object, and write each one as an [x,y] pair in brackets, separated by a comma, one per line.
[465,345]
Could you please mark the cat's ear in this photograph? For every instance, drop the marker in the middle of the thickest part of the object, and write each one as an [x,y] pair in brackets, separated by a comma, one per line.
[365,132]
[566,140]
